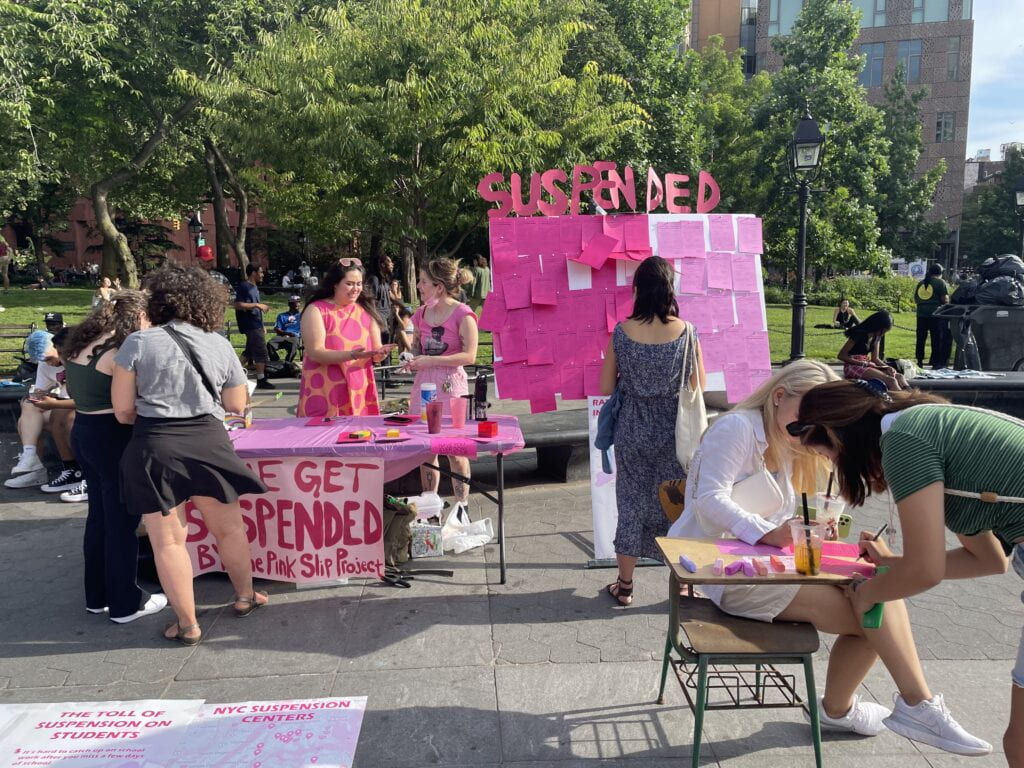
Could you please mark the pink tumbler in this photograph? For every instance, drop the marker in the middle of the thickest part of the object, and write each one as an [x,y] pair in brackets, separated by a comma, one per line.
[434,409]
[458,406]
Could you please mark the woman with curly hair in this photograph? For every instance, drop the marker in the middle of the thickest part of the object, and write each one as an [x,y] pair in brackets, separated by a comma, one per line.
[110,547]
[174,382]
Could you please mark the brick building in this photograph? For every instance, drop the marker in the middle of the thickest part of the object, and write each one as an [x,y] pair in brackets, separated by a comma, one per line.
[932,38]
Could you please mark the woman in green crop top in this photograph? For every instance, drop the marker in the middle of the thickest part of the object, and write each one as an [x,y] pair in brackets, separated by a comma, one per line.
[111,547]
[947,466]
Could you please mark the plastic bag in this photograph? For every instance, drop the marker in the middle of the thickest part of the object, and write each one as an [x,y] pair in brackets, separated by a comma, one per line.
[1004,291]
[967,355]
[965,293]
[462,534]
[1006,264]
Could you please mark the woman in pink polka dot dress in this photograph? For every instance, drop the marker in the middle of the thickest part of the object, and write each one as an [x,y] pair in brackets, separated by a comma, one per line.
[341,341]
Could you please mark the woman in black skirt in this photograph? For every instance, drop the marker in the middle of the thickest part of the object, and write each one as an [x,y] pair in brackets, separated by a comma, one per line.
[174,382]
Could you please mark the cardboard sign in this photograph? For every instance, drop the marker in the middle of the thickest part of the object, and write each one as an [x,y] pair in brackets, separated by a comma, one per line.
[320,520]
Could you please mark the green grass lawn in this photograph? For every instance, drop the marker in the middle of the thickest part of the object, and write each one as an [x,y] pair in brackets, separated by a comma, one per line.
[24,306]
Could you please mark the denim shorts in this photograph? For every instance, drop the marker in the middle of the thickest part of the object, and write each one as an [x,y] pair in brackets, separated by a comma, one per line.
[1018,566]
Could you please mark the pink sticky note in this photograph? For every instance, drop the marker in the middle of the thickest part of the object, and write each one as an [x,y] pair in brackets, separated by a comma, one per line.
[623,302]
[721,311]
[603,280]
[592,379]
[711,350]
[542,398]
[734,346]
[538,349]
[697,309]
[737,547]
[737,382]
[542,290]
[571,378]
[758,353]
[692,239]
[587,309]
[723,235]
[512,380]
[720,271]
[670,240]
[692,279]
[596,252]
[569,228]
[613,227]
[513,346]
[639,254]
[589,226]
[759,376]
[750,239]
[744,273]
[492,318]
[749,311]
[610,313]
[517,291]
[556,269]
[636,232]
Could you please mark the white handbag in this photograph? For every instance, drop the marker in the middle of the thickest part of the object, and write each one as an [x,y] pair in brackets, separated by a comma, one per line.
[691,416]
[758,494]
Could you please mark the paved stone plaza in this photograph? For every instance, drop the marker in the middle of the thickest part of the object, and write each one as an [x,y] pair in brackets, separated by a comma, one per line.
[539,673]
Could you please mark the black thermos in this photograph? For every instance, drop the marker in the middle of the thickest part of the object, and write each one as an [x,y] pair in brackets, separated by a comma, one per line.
[480,403]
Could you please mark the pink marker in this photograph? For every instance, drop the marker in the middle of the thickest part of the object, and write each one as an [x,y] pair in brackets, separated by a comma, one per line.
[748,569]
[718,567]
[761,566]
[777,565]
[734,567]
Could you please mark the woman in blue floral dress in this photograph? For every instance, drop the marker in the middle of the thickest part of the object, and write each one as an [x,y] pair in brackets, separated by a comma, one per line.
[647,355]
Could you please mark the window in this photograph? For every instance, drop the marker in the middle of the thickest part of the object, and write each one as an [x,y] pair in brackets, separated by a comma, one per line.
[871,75]
[929,10]
[748,14]
[749,65]
[782,15]
[945,127]
[953,59]
[968,10]
[872,12]
[908,53]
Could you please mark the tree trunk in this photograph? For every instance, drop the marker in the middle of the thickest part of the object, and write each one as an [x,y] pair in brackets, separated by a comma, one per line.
[115,244]
[241,199]
[408,268]
[220,215]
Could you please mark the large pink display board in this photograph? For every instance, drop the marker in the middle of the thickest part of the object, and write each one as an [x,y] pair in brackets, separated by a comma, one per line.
[562,283]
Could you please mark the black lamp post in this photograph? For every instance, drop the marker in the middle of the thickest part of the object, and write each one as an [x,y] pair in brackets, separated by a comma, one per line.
[805,154]
[1018,193]
[195,229]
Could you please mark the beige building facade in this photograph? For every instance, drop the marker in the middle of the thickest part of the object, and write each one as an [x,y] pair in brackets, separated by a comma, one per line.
[933,40]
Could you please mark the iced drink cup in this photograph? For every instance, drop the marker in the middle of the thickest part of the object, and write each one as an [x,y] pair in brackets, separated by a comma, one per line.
[807,541]
[434,409]
[458,408]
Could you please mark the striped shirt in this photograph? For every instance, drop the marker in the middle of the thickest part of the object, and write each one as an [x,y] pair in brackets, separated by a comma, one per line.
[966,450]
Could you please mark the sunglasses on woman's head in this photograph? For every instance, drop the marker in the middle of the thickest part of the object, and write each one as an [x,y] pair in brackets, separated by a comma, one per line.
[353,262]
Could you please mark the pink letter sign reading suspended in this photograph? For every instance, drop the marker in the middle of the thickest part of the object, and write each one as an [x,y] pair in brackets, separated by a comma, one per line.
[555,304]
[320,520]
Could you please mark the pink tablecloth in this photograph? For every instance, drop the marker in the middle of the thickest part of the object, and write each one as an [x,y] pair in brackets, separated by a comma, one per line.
[291,437]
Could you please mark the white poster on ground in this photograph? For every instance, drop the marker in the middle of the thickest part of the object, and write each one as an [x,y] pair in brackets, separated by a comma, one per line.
[602,490]
[111,734]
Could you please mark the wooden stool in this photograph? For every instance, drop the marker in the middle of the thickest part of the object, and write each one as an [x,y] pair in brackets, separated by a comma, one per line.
[703,636]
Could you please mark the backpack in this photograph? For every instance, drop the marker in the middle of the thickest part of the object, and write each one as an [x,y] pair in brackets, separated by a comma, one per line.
[1005,264]
[1003,290]
[281,369]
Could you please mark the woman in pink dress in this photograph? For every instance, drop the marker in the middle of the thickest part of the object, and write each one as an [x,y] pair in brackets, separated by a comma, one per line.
[444,340]
[341,342]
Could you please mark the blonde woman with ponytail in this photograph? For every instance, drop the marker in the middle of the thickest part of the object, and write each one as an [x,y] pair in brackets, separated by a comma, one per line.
[750,446]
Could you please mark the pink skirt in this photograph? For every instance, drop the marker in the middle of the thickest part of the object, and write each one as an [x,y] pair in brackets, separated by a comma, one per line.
[451,382]
[858,369]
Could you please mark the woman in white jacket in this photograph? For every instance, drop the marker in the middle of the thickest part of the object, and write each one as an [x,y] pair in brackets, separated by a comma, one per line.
[740,485]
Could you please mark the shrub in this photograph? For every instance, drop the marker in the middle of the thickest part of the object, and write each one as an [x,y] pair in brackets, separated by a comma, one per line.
[776,294]
[895,293]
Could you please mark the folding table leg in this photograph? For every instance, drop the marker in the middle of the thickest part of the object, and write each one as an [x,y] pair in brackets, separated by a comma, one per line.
[501,514]
[664,666]
[812,707]
[702,702]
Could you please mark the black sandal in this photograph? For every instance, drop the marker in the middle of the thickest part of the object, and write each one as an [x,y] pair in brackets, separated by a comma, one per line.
[180,636]
[250,604]
[622,593]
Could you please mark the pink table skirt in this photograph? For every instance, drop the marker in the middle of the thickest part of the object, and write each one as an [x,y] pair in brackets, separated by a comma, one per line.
[291,437]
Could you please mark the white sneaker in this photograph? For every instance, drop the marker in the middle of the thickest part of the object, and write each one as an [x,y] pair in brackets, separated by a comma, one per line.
[930,722]
[27,462]
[79,493]
[65,481]
[155,604]
[864,717]
[32,479]
[98,610]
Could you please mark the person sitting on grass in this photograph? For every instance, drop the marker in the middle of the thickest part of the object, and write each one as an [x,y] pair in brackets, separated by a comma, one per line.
[46,407]
[861,354]
[844,317]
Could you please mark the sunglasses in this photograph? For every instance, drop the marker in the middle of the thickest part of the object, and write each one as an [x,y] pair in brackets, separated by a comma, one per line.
[350,262]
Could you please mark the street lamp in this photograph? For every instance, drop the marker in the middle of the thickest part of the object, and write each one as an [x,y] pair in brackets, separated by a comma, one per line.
[195,226]
[1018,193]
[805,155]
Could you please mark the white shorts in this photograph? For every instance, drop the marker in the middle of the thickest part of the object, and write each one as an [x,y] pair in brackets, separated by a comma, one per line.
[1018,668]
[750,601]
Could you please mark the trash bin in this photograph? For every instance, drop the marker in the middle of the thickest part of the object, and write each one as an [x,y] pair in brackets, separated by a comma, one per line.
[999,331]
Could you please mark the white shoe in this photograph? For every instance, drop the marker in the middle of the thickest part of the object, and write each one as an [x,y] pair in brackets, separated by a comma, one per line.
[864,717]
[32,479]
[930,722]
[79,493]
[155,604]
[65,481]
[27,462]
[98,610]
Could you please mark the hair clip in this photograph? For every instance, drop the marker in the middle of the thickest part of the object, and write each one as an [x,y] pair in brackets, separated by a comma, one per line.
[875,387]
[796,429]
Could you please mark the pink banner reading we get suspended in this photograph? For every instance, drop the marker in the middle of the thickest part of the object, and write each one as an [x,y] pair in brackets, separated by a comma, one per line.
[320,520]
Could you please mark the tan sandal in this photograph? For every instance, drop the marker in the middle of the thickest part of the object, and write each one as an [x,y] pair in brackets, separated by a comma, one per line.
[180,635]
[251,604]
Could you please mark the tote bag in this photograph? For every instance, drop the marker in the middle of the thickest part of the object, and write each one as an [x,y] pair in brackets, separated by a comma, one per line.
[691,417]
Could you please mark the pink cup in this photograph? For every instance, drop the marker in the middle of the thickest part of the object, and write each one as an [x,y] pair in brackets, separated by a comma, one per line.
[433,411]
[458,407]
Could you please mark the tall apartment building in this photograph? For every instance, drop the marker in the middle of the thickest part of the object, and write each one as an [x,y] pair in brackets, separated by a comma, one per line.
[932,38]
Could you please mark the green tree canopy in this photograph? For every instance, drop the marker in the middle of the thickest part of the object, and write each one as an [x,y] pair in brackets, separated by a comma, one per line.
[990,222]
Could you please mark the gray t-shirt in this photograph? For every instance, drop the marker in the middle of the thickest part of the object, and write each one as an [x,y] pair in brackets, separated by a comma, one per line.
[169,386]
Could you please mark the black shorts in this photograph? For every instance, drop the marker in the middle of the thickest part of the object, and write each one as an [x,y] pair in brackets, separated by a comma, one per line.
[256,346]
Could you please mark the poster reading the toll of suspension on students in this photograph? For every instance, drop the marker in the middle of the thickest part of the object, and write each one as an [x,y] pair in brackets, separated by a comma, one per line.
[320,520]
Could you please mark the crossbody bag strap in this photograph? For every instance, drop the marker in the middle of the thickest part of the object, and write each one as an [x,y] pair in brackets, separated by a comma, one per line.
[190,355]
